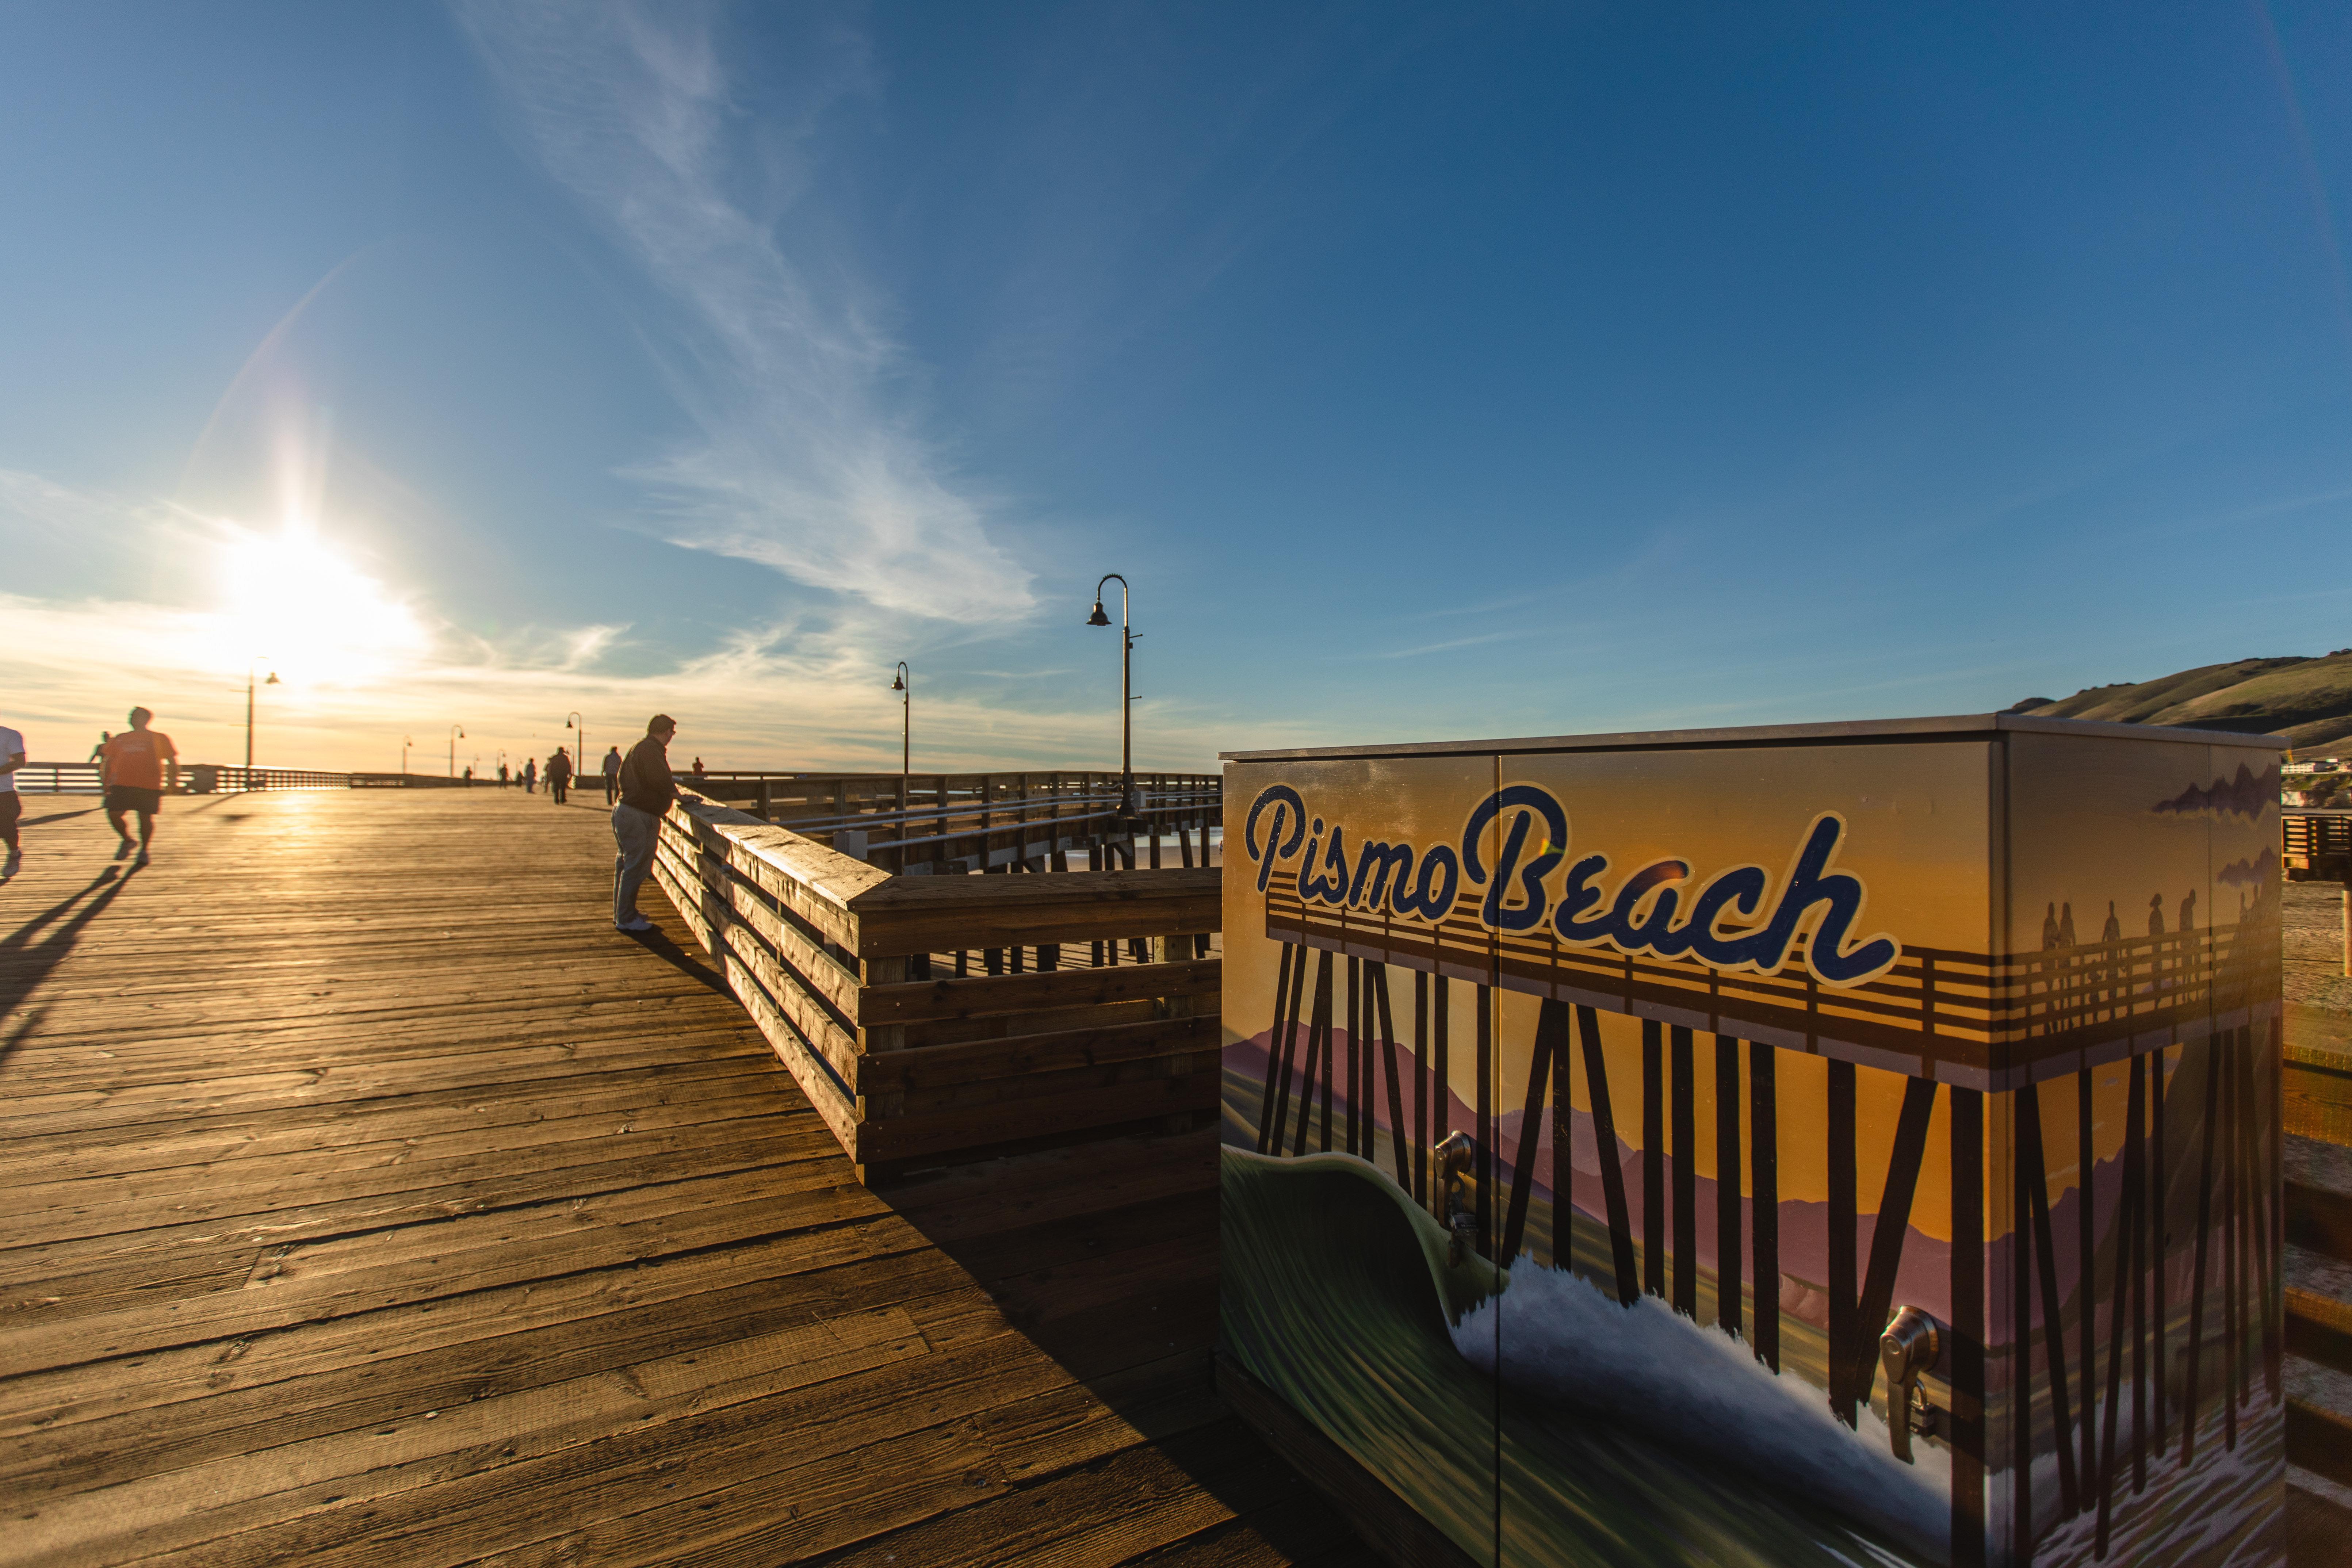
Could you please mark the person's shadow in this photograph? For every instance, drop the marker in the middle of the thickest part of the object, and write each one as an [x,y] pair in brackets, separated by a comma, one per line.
[657,943]
[27,954]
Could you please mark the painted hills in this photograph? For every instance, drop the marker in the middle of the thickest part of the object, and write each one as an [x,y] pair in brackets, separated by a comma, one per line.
[2308,700]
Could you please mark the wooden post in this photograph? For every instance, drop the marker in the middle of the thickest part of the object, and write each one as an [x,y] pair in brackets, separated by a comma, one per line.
[1550,1032]
[1841,1240]
[1287,1014]
[1487,1123]
[1612,1174]
[1654,1167]
[1968,1352]
[1685,1175]
[2033,1177]
[1355,1055]
[1441,1089]
[1379,975]
[1323,1021]
[2232,1274]
[1727,1183]
[2158,1248]
[1886,1235]
[2127,1260]
[2021,1343]
[2086,1203]
[1764,1174]
[1421,1088]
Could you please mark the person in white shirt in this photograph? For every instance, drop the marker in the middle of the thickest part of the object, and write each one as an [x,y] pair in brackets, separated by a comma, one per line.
[12,804]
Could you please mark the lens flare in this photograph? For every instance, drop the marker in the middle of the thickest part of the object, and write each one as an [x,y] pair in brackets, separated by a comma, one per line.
[309,608]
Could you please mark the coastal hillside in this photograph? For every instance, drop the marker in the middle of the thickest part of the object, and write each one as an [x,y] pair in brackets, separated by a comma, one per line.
[2308,700]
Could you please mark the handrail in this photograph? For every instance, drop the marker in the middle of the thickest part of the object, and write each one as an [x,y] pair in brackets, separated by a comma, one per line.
[900,1005]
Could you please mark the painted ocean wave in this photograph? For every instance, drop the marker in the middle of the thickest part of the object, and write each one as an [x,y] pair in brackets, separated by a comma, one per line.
[1700,1390]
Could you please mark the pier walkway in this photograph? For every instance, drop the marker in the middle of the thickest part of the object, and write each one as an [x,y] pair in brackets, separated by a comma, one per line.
[371,1200]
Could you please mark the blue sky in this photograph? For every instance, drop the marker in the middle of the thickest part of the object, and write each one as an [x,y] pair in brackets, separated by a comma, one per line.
[1430,372]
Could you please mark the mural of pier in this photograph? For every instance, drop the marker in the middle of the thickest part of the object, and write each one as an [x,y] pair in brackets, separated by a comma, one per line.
[1661,1213]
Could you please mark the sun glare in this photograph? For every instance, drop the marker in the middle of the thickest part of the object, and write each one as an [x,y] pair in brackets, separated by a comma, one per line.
[314,614]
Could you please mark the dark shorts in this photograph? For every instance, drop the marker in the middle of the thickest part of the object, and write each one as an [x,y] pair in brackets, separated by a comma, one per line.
[129,797]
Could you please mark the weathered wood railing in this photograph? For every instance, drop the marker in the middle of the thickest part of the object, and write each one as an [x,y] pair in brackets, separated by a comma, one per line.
[967,822]
[876,990]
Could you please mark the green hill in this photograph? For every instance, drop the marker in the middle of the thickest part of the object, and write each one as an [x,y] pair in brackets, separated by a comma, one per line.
[2308,700]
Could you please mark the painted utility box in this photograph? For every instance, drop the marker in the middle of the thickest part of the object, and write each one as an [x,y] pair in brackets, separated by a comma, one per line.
[1835,1145]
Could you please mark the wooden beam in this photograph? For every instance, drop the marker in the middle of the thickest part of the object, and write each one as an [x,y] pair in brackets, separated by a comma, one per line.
[1612,1174]
[1764,1181]
[1727,1184]
[931,1066]
[935,1000]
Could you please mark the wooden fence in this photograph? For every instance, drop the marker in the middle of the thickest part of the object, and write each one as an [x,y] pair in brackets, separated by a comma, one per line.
[937,1018]
[950,823]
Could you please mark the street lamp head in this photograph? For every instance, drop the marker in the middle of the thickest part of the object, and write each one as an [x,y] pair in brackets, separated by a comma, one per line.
[898,684]
[273,680]
[1099,618]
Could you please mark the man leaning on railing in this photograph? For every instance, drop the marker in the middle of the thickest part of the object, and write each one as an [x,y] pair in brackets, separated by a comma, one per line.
[646,792]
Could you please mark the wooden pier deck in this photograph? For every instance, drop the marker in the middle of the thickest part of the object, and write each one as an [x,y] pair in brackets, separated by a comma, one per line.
[371,1200]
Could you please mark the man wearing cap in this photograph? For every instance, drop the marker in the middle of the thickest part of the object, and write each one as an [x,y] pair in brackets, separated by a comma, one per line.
[647,790]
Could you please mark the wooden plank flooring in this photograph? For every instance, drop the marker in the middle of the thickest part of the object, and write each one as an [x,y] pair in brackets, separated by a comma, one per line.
[369,1199]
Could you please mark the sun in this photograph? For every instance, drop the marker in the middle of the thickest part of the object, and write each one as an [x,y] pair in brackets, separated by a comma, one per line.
[297,602]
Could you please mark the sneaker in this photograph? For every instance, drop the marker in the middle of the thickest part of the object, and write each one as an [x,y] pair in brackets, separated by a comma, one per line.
[14,864]
[139,859]
[123,850]
[636,926]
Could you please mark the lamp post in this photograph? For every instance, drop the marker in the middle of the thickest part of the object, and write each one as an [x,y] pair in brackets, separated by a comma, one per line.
[456,734]
[250,666]
[406,742]
[903,683]
[1127,803]
[572,720]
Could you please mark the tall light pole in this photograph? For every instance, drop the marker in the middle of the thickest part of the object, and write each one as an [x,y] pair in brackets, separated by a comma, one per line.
[250,666]
[572,720]
[1126,698]
[903,683]
[406,742]
[456,734]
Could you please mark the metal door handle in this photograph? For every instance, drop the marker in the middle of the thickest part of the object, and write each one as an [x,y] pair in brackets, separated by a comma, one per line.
[1910,1345]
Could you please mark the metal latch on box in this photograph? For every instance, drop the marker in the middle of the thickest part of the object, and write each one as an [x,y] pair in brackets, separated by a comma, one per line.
[1454,1158]
[1909,1347]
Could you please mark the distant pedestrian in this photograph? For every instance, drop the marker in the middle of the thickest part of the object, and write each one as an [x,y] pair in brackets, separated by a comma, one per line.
[12,806]
[646,792]
[559,774]
[469,774]
[612,775]
[137,767]
[530,776]
[99,750]
[503,776]
[698,767]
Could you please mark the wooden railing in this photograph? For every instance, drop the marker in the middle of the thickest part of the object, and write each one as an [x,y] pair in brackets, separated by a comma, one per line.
[2318,1104]
[2317,844]
[938,1018]
[222,778]
[974,822]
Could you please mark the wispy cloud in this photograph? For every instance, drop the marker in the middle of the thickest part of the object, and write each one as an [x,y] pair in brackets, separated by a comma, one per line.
[809,457]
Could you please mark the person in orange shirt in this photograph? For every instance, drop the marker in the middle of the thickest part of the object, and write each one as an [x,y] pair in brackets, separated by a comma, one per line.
[137,766]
